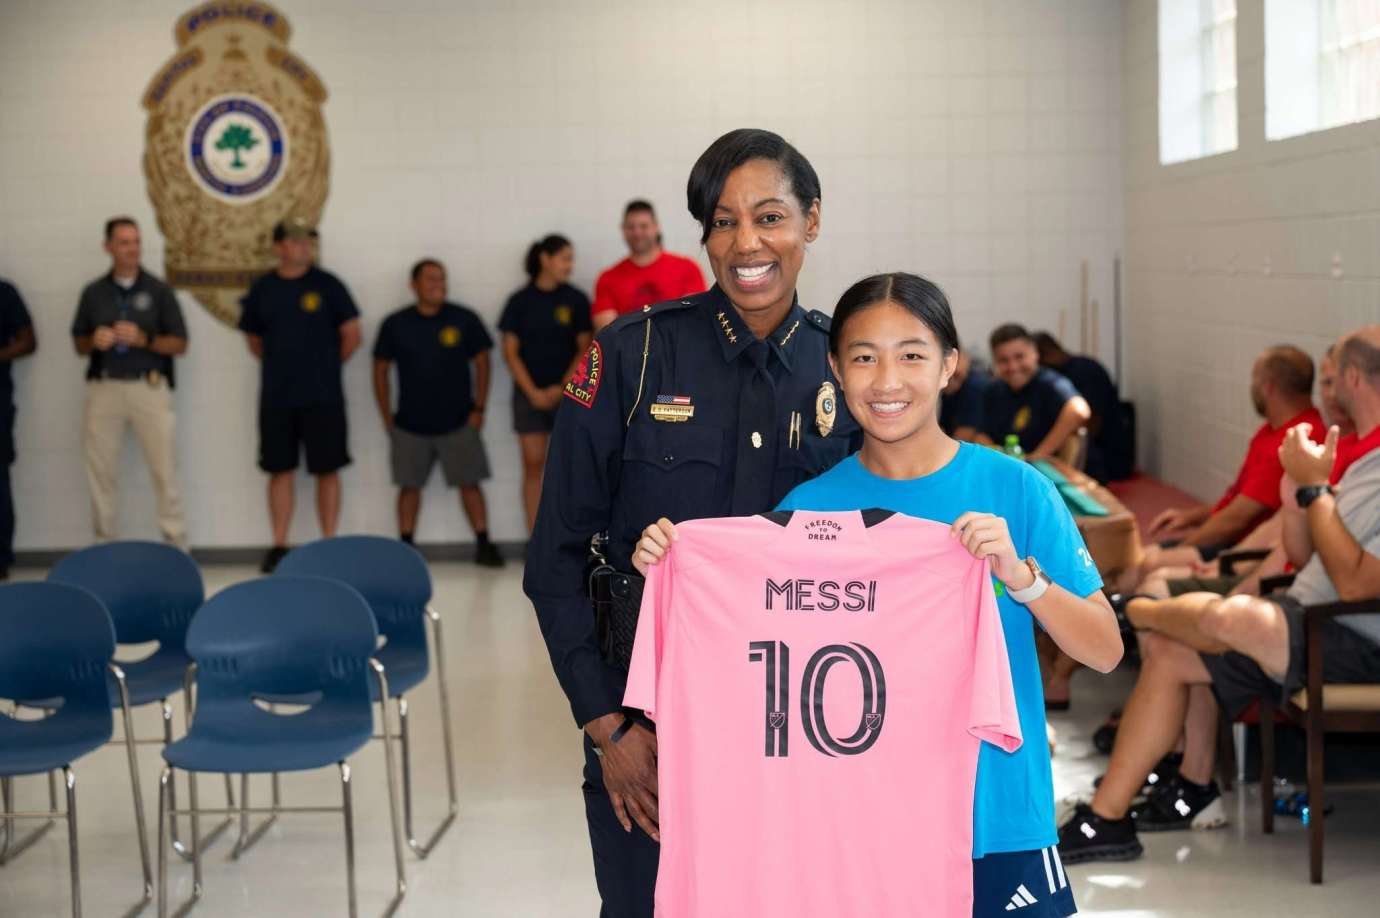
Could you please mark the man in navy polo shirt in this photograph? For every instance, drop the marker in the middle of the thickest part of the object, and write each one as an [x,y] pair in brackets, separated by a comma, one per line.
[1036,404]
[439,415]
[16,340]
[303,325]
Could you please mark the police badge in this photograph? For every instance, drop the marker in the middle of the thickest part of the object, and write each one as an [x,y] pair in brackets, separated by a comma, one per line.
[826,407]
[235,142]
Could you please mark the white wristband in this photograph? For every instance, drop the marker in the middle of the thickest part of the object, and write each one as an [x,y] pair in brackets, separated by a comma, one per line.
[1036,589]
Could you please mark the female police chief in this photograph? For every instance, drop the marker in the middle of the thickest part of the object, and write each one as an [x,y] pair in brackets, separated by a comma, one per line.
[716,404]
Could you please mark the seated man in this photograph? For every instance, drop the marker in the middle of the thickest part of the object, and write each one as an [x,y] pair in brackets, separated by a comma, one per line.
[1037,405]
[1243,646]
[960,409]
[1109,441]
[1207,576]
[1282,393]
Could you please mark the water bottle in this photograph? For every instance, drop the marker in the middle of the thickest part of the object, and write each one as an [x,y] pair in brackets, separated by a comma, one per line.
[124,316]
[1013,447]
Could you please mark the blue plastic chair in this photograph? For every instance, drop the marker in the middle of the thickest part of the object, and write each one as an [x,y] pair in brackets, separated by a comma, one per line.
[288,636]
[151,591]
[392,577]
[56,644]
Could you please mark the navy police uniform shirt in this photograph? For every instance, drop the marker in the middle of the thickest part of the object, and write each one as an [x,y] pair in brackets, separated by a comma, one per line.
[546,323]
[964,407]
[433,355]
[1030,413]
[148,303]
[14,317]
[299,321]
[712,422]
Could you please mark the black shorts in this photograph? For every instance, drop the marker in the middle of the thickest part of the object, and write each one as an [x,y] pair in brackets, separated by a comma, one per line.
[285,429]
[1024,882]
[1238,681]
[527,418]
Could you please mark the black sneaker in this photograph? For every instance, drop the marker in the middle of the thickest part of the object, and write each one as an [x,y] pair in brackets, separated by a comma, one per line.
[1089,837]
[1180,804]
[271,559]
[486,554]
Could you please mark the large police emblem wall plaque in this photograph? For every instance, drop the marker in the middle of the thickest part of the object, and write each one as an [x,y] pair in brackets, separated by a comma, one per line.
[235,142]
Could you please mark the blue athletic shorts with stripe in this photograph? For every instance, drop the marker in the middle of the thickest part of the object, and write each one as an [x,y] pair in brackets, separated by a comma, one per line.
[1028,884]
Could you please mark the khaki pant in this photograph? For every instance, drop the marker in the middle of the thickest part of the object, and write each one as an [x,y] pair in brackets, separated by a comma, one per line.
[111,405]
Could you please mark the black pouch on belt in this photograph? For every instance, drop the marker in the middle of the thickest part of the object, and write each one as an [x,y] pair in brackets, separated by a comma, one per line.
[617,601]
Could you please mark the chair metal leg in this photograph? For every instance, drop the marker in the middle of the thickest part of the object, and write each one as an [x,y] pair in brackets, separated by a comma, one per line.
[349,813]
[453,809]
[248,839]
[405,741]
[74,861]
[177,845]
[164,817]
[138,795]
[196,836]
[14,845]
[392,778]
[1267,764]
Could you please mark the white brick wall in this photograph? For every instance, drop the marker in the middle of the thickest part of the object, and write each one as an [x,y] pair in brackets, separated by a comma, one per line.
[977,142]
[1232,253]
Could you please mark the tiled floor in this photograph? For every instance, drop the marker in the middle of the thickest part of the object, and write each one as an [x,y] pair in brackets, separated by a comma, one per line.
[519,847]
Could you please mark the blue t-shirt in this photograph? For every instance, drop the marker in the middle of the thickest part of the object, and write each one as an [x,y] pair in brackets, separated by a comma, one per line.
[1030,413]
[964,407]
[1013,804]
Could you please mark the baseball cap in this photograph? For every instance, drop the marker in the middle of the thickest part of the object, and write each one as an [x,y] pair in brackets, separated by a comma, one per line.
[293,228]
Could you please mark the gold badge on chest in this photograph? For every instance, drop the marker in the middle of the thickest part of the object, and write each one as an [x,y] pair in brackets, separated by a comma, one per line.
[826,408]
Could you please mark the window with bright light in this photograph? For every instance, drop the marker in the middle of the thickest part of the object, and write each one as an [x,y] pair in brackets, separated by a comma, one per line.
[1322,64]
[1197,78]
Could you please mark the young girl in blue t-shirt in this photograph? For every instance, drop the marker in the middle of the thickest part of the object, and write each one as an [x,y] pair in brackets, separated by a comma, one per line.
[893,346]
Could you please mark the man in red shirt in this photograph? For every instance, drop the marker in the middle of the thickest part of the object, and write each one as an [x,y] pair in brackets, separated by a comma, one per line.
[648,275]
[1282,393]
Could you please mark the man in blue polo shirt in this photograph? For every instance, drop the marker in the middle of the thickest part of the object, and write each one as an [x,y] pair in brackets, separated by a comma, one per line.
[1036,404]
[434,342]
[303,325]
[16,340]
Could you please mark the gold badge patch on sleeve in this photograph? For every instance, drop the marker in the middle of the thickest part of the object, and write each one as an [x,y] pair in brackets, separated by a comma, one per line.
[584,385]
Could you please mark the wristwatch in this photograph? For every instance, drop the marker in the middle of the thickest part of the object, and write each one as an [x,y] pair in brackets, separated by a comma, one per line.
[1309,493]
[1036,589]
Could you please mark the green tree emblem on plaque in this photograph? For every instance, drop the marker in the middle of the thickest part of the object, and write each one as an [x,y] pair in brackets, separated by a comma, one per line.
[235,138]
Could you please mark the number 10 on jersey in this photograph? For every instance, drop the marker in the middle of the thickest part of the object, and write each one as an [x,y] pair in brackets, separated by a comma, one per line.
[776,657]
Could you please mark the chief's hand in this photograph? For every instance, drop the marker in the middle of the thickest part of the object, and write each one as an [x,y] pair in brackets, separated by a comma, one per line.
[629,773]
[652,547]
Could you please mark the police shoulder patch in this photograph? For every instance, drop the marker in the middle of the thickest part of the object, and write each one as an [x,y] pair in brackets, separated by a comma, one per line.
[583,386]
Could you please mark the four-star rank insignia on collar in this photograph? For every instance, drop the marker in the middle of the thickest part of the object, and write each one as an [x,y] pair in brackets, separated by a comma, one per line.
[673,408]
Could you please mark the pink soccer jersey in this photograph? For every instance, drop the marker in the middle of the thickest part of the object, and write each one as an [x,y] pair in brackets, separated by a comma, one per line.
[820,684]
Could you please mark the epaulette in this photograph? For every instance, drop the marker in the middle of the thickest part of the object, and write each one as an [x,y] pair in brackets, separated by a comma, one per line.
[651,309]
[820,321]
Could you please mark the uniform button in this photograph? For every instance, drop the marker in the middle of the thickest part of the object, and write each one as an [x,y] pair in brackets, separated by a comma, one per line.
[668,458]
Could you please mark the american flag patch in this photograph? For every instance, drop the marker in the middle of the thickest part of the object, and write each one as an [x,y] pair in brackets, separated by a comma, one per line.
[673,400]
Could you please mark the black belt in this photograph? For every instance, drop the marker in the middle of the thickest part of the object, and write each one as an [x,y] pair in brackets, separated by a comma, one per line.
[153,377]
